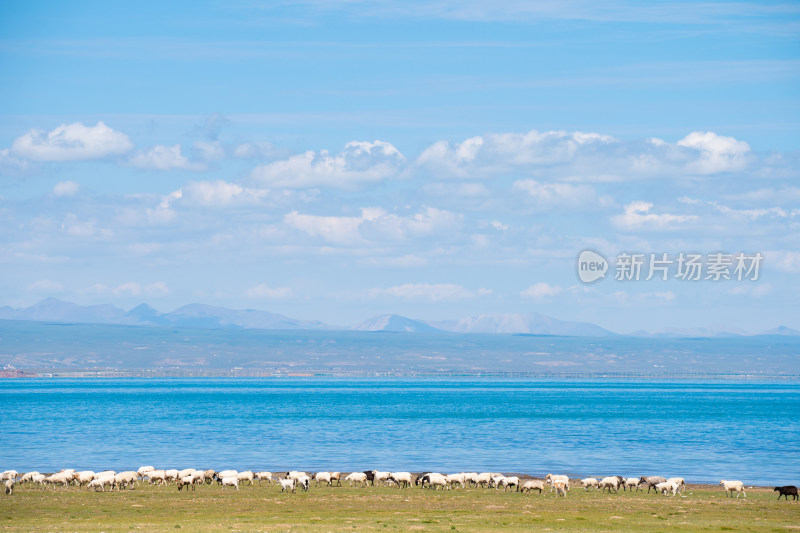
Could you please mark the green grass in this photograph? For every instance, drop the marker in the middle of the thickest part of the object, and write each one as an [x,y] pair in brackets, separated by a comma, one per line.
[264,508]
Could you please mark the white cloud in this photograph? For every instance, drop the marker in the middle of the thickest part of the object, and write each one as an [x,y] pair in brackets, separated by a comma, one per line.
[46,286]
[773,195]
[220,193]
[756,290]
[486,156]
[72,142]
[424,292]
[717,153]
[75,227]
[783,260]
[128,289]
[358,164]
[374,225]
[209,151]
[164,158]
[624,298]
[404,261]
[546,195]
[264,292]
[337,230]
[66,188]
[585,156]
[259,150]
[637,216]
[541,291]
[10,164]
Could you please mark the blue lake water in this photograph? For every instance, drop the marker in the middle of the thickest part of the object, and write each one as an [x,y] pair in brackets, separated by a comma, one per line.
[701,431]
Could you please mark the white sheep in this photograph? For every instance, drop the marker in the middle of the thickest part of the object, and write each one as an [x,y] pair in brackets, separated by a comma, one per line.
[231,481]
[609,482]
[84,477]
[226,473]
[323,477]
[589,482]
[157,476]
[60,478]
[125,479]
[102,482]
[186,472]
[667,486]
[452,479]
[437,480]
[560,488]
[337,477]
[294,474]
[678,481]
[469,477]
[171,474]
[289,484]
[9,474]
[143,470]
[483,479]
[247,475]
[402,479]
[38,479]
[630,483]
[508,481]
[380,476]
[9,486]
[731,486]
[533,484]
[552,478]
[264,476]
[356,477]
[305,482]
[186,481]
[28,477]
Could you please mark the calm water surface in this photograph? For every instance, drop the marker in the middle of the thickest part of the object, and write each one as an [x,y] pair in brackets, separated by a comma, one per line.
[702,431]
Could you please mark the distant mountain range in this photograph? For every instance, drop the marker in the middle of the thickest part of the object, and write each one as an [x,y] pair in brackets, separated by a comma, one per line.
[212,317]
[188,316]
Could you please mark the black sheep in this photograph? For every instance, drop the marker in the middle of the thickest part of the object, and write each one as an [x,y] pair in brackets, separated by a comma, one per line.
[788,490]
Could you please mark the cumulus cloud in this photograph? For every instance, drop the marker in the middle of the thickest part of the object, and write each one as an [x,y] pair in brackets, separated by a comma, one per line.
[374,224]
[66,188]
[128,288]
[46,286]
[559,194]
[583,156]
[716,153]
[358,164]
[264,292]
[756,290]
[72,142]
[480,157]
[637,216]
[220,193]
[783,260]
[164,158]
[424,292]
[76,227]
[209,150]
[541,291]
[10,164]
[259,150]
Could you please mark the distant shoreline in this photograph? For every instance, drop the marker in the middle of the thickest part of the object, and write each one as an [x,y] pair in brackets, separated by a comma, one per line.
[248,374]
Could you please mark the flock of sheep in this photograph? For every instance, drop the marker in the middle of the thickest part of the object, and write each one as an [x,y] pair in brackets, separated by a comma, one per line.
[190,478]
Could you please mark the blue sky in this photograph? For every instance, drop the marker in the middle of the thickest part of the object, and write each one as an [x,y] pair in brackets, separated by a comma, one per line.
[337,160]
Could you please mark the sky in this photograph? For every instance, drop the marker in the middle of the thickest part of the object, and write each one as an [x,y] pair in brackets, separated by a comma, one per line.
[341,159]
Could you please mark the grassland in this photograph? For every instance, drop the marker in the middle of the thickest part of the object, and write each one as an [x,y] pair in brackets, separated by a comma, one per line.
[264,508]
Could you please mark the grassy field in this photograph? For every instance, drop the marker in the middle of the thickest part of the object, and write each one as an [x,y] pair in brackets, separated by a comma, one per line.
[264,508]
